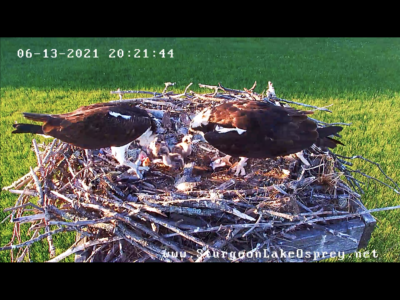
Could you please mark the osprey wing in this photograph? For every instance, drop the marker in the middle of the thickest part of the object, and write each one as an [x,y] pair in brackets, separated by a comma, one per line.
[99,125]
[259,129]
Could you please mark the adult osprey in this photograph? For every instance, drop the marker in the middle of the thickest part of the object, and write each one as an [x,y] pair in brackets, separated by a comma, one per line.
[256,129]
[95,126]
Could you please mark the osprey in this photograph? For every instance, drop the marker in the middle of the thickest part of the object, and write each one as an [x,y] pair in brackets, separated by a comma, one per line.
[257,129]
[95,126]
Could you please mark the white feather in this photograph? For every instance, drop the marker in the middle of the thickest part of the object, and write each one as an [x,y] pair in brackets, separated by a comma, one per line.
[224,130]
[270,91]
[201,118]
[115,114]
[146,138]
[119,153]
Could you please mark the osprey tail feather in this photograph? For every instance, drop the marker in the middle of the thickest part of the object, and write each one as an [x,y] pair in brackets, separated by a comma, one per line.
[30,128]
[27,128]
[37,117]
[324,140]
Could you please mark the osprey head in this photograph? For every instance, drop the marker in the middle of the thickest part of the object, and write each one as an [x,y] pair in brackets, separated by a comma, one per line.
[164,149]
[187,139]
[200,121]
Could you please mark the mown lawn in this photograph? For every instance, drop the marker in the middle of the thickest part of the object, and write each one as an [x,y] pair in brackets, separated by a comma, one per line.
[360,76]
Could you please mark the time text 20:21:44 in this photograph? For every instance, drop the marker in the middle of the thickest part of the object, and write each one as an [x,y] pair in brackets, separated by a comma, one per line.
[89,53]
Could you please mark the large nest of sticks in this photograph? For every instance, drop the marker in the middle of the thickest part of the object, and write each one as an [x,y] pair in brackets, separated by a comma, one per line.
[119,217]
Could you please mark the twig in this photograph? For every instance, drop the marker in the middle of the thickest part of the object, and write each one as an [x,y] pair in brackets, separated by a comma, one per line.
[305,105]
[84,246]
[215,206]
[212,87]
[252,228]
[322,108]
[278,214]
[230,90]
[185,92]
[38,187]
[39,160]
[94,252]
[30,242]
[346,216]
[24,192]
[22,206]
[167,84]
[135,92]
[20,182]
[180,95]
[208,98]
[329,124]
[397,191]
[253,87]
[155,101]
[50,151]
[137,241]
[82,223]
[219,243]
[175,229]
[27,219]
[225,227]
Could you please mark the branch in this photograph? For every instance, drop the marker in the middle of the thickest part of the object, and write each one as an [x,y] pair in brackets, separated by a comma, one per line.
[135,92]
[230,90]
[302,104]
[329,124]
[30,242]
[81,247]
[225,227]
[397,191]
[38,187]
[167,84]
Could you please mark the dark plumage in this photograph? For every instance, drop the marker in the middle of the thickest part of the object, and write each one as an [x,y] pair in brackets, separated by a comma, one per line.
[92,126]
[256,129]
[96,126]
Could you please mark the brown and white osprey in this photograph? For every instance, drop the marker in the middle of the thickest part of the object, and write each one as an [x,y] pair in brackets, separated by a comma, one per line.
[95,126]
[257,129]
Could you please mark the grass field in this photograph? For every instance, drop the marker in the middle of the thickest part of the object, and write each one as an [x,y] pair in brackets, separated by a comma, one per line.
[360,76]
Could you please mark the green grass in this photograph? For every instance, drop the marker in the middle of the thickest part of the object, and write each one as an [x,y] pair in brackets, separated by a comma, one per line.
[360,76]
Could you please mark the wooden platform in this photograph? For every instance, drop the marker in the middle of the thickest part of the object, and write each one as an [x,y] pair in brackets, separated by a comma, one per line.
[319,243]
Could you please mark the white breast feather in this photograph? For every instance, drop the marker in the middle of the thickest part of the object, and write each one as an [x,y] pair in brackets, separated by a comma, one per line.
[119,153]
[115,114]
[146,138]
[221,129]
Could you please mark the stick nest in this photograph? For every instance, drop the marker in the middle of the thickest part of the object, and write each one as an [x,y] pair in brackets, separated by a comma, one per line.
[119,218]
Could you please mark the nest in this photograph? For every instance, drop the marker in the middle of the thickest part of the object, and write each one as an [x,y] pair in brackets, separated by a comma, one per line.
[178,215]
